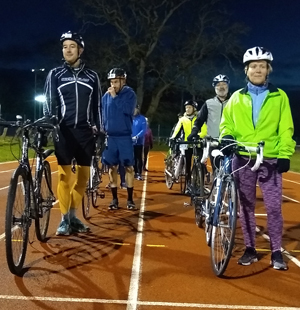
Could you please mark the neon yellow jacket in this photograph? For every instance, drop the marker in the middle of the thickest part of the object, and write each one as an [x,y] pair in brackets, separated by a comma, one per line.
[274,125]
[187,125]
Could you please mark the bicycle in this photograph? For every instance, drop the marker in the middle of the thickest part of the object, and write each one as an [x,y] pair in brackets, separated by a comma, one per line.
[29,197]
[198,173]
[175,166]
[219,210]
[92,191]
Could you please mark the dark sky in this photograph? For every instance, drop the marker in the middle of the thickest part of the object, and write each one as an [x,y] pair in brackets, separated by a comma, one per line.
[274,24]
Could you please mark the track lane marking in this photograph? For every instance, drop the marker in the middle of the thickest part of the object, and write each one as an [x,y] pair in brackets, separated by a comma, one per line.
[285,252]
[144,303]
[132,302]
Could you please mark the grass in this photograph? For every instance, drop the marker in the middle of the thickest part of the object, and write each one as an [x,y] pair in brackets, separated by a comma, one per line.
[162,147]
[295,161]
[10,149]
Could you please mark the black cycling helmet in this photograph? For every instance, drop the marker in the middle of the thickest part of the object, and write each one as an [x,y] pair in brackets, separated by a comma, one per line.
[73,36]
[116,73]
[192,103]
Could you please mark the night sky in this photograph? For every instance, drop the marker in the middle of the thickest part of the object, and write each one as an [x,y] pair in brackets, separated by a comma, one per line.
[275,24]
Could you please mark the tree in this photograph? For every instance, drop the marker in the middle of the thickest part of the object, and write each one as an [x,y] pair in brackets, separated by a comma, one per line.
[162,43]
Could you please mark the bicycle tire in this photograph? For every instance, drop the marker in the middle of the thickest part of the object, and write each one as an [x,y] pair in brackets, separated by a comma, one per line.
[96,180]
[182,175]
[169,168]
[223,234]
[17,220]
[45,202]
[86,203]
[197,203]
[197,181]
[209,211]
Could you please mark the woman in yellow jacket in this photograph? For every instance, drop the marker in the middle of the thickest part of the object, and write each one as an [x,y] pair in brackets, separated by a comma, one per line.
[185,124]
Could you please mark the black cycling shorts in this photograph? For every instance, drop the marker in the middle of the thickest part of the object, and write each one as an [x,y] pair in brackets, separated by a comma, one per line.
[75,143]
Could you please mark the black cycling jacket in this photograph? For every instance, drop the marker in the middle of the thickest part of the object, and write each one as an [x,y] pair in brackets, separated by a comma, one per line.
[74,95]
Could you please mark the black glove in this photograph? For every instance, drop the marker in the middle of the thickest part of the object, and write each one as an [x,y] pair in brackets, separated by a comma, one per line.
[225,144]
[283,165]
[193,134]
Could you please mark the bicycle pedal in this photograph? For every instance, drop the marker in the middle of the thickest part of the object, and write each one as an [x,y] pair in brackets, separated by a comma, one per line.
[102,195]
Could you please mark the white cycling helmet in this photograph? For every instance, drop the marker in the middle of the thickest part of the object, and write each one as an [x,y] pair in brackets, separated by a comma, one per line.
[220,78]
[257,53]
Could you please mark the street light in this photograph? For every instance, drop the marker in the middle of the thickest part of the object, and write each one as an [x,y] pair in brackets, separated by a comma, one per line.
[35,71]
[41,99]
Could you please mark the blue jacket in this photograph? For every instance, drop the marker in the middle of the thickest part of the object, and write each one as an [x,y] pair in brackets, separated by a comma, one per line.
[139,128]
[117,112]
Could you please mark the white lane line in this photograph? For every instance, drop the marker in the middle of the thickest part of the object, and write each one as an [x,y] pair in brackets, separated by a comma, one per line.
[144,303]
[290,181]
[285,252]
[137,265]
[6,187]
[5,171]
[286,197]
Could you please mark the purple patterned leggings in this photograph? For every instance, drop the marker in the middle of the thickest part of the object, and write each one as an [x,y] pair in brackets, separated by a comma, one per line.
[270,183]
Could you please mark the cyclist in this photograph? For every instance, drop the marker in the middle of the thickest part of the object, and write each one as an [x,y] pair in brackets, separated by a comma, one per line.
[185,124]
[211,111]
[260,111]
[139,129]
[73,94]
[118,105]
[148,145]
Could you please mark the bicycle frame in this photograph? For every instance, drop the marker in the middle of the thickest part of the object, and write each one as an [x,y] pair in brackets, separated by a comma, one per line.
[222,174]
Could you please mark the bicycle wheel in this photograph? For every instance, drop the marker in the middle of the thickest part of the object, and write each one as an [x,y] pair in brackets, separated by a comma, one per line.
[197,180]
[182,174]
[223,233]
[96,180]
[86,201]
[17,220]
[44,202]
[168,172]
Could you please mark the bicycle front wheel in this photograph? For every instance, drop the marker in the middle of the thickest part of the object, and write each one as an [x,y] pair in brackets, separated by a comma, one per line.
[182,175]
[168,172]
[45,202]
[17,220]
[197,180]
[86,203]
[223,231]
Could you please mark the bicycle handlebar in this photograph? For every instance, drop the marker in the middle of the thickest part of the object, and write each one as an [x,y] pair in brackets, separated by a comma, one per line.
[10,123]
[189,142]
[259,150]
[213,142]
[44,122]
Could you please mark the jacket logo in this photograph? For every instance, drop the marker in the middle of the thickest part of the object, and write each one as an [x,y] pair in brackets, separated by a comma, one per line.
[68,79]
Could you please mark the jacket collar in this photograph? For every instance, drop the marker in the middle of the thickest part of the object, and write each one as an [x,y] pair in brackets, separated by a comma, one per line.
[271,88]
